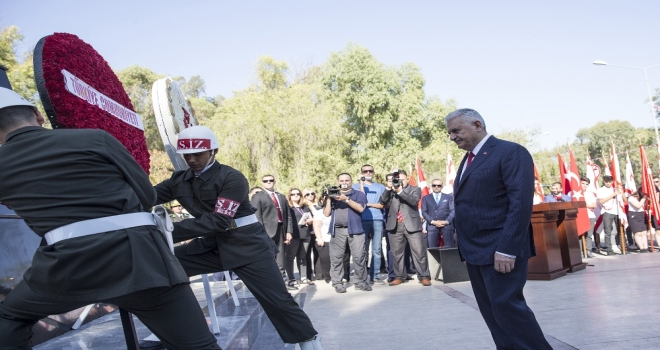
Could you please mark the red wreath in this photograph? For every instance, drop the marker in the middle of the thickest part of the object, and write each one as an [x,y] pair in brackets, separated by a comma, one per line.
[66,51]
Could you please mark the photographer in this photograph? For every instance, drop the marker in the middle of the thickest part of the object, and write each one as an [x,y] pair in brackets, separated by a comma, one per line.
[345,205]
[404,224]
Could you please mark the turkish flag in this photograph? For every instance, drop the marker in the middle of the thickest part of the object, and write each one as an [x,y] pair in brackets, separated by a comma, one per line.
[647,185]
[573,177]
[539,187]
[562,175]
[422,181]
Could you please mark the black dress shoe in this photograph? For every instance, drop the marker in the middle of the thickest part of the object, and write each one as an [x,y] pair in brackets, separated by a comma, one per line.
[151,345]
[390,279]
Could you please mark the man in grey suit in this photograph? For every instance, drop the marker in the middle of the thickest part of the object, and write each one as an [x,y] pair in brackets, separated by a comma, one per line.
[438,211]
[493,198]
[405,225]
[273,212]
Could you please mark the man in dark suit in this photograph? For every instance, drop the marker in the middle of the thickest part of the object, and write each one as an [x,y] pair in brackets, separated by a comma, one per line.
[438,211]
[273,212]
[493,195]
[405,225]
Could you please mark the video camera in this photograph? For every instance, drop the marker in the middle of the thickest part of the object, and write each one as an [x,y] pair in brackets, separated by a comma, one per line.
[332,191]
[396,182]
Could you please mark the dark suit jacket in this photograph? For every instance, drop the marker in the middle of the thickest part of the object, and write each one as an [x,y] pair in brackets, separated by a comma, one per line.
[266,212]
[443,210]
[493,201]
[406,201]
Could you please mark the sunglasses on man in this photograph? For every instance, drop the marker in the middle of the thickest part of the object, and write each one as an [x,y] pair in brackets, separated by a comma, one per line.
[436,185]
[267,181]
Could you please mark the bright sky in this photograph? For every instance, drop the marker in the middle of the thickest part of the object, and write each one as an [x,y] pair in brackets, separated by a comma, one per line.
[521,64]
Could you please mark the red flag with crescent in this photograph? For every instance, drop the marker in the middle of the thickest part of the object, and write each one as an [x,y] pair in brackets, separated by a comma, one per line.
[573,176]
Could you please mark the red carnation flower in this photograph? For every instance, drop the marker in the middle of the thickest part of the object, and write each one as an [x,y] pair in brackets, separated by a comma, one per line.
[63,51]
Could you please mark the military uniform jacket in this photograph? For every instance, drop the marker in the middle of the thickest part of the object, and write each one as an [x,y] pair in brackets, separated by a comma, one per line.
[214,198]
[177,218]
[53,178]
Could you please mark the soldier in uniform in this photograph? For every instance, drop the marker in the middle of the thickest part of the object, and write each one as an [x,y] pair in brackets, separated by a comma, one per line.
[230,237]
[178,214]
[88,198]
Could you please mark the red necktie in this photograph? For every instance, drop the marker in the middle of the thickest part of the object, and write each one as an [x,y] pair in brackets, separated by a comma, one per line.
[469,161]
[399,217]
[277,205]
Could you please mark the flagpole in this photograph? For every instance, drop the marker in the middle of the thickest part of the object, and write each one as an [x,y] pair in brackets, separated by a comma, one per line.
[648,222]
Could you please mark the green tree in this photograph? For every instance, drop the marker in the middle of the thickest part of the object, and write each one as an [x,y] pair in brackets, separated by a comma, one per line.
[271,72]
[281,129]
[20,71]
[138,83]
[387,117]
[194,87]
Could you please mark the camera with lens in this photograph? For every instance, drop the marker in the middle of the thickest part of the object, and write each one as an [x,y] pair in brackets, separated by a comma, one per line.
[362,178]
[332,191]
[396,182]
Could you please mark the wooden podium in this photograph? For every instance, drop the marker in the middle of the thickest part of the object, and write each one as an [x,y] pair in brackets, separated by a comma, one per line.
[556,241]
[569,244]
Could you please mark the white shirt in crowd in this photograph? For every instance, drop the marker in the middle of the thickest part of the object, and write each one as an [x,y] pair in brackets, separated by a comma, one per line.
[610,206]
[317,214]
[590,199]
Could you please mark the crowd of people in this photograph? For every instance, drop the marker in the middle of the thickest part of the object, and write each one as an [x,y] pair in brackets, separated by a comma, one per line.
[606,207]
[318,233]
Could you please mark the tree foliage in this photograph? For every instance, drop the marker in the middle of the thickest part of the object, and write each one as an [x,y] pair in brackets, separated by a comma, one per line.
[386,115]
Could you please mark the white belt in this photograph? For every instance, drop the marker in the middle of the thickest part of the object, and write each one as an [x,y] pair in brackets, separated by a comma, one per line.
[94,226]
[244,221]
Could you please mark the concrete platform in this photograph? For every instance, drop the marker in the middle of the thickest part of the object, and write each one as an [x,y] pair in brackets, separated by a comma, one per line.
[613,304]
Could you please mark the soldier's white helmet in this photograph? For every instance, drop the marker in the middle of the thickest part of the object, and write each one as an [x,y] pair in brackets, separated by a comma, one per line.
[9,98]
[196,139]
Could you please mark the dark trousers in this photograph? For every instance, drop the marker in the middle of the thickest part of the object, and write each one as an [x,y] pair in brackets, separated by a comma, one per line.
[502,305]
[417,242]
[324,262]
[297,250]
[264,282]
[447,234]
[338,254]
[312,256]
[160,309]
[608,220]
[390,259]
[589,236]
[347,262]
[280,257]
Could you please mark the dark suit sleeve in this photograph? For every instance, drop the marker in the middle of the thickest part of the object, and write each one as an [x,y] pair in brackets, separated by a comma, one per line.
[426,213]
[411,197]
[118,155]
[256,203]
[452,211]
[518,177]
[386,197]
[289,224]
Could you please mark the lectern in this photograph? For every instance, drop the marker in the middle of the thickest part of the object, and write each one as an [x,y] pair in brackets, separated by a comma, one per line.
[556,240]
